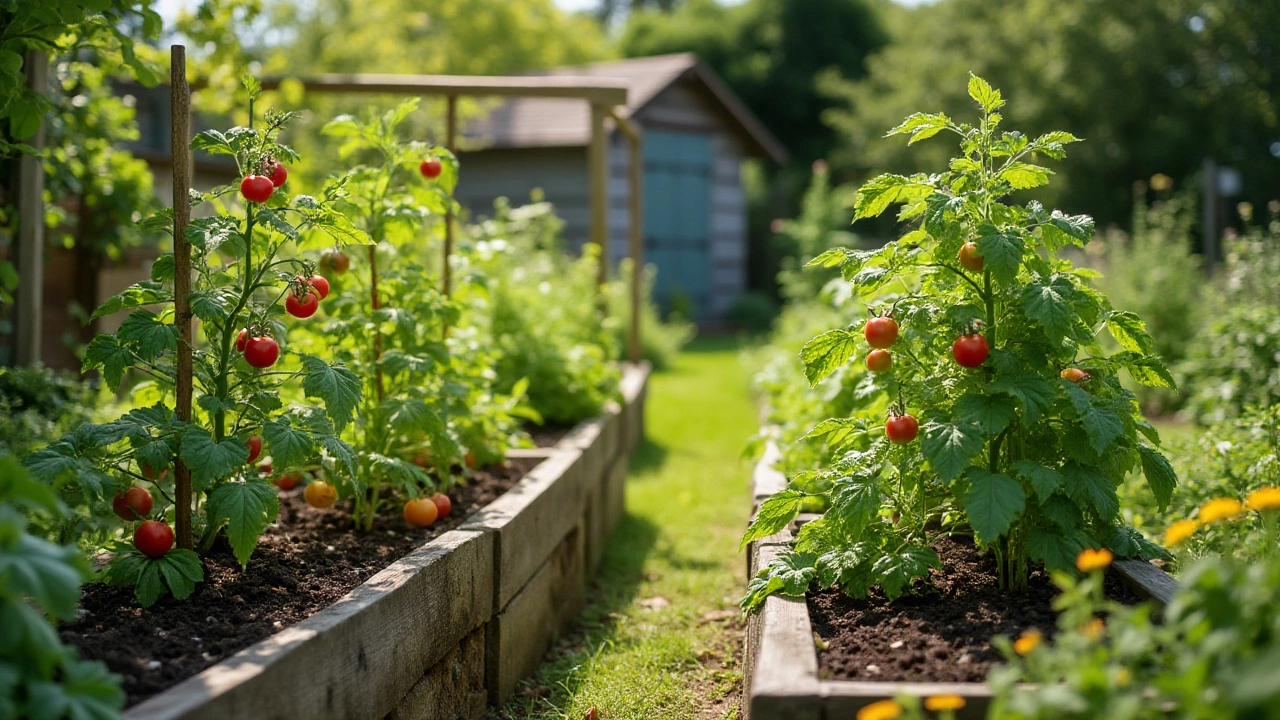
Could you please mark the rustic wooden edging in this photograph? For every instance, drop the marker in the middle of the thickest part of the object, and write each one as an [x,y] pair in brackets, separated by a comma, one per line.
[454,624]
[781,649]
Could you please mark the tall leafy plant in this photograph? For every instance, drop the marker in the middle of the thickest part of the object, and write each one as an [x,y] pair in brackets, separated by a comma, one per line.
[243,273]
[1006,415]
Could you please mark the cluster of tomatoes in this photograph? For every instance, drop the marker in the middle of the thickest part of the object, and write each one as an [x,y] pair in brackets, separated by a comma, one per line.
[259,188]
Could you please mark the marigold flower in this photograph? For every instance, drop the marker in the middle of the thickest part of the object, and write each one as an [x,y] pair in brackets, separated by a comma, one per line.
[1090,559]
[1262,499]
[880,710]
[1093,629]
[938,703]
[1180,531]
[1220,509]
[1029,641]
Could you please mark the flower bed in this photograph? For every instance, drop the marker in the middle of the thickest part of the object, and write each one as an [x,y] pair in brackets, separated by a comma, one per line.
[455,623]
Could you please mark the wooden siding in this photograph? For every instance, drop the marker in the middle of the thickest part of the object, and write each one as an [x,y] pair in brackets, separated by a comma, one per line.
[561,174]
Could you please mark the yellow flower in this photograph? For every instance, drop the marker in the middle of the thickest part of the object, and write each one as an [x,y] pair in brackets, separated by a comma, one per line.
[1220,509]
[943,702]
[1091,559]
[881,710]
[1093,629]
[1180,531]
[1029,641]
[1267,498]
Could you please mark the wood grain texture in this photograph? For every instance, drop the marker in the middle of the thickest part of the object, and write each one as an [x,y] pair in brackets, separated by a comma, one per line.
[356,659]
[782,664]
[1147,580]
[180,126]
[453,689]
[765,479]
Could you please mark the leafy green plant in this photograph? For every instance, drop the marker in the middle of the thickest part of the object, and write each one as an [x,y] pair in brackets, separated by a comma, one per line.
[660,340]
[1025,430]
[240,281]
[39,585]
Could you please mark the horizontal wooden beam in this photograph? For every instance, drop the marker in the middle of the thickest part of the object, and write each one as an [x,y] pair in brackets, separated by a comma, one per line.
[595,90]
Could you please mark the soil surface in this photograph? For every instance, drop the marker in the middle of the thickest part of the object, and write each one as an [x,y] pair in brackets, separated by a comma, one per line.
[939,633]
[547,435]
[305,562]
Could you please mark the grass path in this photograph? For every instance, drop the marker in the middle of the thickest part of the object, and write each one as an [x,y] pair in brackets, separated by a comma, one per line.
[660,637]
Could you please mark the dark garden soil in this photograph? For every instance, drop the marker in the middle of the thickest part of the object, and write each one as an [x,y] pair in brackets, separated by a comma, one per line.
[547,435]
[942,631]
[303,564]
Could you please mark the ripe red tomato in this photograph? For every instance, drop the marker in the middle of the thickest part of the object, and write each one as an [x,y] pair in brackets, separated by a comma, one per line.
[881,332]
[278,173]
[255,448]
[265,468]
[261,352]
[303,307]
[970,350]
[1074,374]
[289,480]
[879,361]
[320,285]
[336,261]
[901,429]
[969,258]
[150,473]
[320,494]
[420,459]
[470,460]
[132,504]
[431,168]
[420,512]
[256,188]
[443,505]
[241,339]
[153,538]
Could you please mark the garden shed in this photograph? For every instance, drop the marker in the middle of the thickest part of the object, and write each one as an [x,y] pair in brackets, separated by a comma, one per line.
[697,134]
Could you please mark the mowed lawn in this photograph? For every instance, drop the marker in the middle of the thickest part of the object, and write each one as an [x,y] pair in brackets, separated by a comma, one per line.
[660,636]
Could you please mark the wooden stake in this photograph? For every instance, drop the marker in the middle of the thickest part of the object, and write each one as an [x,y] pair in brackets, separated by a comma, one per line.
[598,177]
[181,107]
[28,325]
[451,143]
[637,245]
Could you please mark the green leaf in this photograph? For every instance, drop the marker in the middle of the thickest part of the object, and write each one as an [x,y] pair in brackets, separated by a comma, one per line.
[105,351]
[60,461]
[342,453]
[181,570]
[210,233]
[212,142]
[985,95]
[897,570]
[289,445]
[1100,420]
[1159,473]
[1044,481]
[336,386]
[837,257]
[147,335]
[1001,251]
[1129,330]
[211,461]
[789,574]
[272,220]
[950,446]
[826,353]
[921,126]
[774,515]
[877,194]
[210,305]
[992,502]
[1088,487]
[1024,176]
[1059,230]
[1056,548]
[991,413]
[1033,392]
[48,574]
[136,295]
[1147,370]
[247,508]
[1049,305]
[840,433]
[854,504]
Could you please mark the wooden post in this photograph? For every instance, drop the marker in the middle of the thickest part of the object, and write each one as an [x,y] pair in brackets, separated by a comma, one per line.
[451,143]
[637,245]
[181,150]
[30,247]
[598,178]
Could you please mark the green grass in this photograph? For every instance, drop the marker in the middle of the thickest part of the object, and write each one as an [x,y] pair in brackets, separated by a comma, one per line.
[634,655]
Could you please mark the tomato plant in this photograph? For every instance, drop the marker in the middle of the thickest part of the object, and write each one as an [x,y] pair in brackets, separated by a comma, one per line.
[133,504]
[879,361]
[1027,460]
[239,279]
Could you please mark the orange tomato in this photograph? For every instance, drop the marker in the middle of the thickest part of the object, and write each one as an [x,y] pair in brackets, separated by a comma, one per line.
[320,494]
[420,512]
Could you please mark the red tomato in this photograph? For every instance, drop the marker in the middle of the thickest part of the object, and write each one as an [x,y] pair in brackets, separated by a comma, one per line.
[420,512]
[241,339]
[881,332]
[320,494]
[132,504]
[303,307]
[153,538]
[879,361]
[278,173]
[970,350]
[1074,374]
[420,459]
[969,258]
[335,260]
[261,352]
[289,480]
[443,504]
[431,168]
[901,429]
[255,448]
[320,285]
[265,468]
[149,472]
[256,188]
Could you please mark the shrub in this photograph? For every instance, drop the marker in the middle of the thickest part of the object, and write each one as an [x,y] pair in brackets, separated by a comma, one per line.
[38,405]
[660,340]
[753,312]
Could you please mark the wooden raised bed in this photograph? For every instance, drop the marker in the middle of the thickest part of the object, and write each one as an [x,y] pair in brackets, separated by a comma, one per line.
[782,655]
[455,624]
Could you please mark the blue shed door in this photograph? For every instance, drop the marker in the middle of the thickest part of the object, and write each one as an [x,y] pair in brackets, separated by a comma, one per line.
[677,218]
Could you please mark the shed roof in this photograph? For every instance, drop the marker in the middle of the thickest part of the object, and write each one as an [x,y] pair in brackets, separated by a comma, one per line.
[549,122]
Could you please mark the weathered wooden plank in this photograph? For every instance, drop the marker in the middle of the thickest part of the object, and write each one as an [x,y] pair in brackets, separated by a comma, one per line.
[782,664]
[356,659]
[531,519]
[595,523]
[593,89]
[453,689]
[1147,580]
[765,479]
[614,495]
[518,636]
[635,386]
[598,440]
